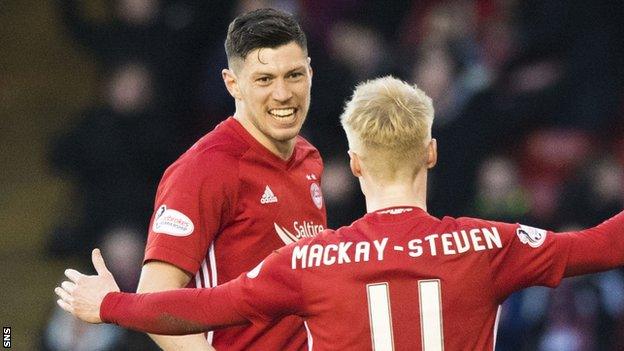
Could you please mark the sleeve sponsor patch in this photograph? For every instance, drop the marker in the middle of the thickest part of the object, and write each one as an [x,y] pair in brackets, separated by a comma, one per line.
[534,237]
[171,222]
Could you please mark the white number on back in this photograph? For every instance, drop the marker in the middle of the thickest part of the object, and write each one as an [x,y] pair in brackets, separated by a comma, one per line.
[429,299]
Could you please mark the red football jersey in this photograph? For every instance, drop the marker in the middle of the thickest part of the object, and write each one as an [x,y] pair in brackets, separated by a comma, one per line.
[225,205]
[397,279]
[400,279]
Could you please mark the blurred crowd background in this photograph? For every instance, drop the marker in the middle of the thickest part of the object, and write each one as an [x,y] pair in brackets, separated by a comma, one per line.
[101,96]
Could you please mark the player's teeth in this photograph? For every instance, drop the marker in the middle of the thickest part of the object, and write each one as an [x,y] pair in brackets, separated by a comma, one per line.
[282,112]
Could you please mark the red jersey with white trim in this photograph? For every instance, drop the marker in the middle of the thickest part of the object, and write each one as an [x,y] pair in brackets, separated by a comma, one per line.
[226,204]
[398,279]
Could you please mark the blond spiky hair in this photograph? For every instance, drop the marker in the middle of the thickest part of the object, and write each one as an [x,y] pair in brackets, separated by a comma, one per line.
[388,123]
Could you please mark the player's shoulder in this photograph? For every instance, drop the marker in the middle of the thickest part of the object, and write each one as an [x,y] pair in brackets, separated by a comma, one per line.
[303,144]
[306,149]
[327,236]
[220,143]
[466,223]
[462,221]
[217,152]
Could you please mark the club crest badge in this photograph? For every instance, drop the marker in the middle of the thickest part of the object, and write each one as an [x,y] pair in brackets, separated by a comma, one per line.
[317,195]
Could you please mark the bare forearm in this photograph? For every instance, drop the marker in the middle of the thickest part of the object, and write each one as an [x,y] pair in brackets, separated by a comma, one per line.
[182,343]
[161,276]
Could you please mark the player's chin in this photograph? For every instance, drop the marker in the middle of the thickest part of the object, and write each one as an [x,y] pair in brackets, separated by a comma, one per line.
[285,134]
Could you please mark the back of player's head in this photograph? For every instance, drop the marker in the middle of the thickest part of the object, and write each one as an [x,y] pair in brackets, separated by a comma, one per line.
[388,124]
[262,28]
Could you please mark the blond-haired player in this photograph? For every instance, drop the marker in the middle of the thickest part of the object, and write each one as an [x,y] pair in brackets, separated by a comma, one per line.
[396,279]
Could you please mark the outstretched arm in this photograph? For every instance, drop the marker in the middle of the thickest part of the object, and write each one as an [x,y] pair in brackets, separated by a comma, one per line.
[531,256]
[96,299]
[596,249]
[173,312]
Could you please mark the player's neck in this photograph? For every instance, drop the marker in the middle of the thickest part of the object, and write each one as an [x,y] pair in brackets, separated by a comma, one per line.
[281,149]
[380,196]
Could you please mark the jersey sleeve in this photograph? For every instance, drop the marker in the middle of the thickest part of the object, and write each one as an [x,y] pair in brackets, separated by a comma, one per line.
[267,292]
[527,256]
[271,290]
[173,312]
[531,256]
[595,249]
[194,199]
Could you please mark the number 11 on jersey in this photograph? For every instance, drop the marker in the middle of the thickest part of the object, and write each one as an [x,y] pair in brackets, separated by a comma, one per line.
[429,299]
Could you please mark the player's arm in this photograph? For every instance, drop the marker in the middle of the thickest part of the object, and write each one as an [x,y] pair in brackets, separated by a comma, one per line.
[531,256]
[161,276]
[197,200]
[96,299]
[173,312]
[268,292]
[596,249]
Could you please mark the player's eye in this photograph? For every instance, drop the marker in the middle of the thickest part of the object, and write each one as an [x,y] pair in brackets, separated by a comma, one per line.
[296,75]
[263,80]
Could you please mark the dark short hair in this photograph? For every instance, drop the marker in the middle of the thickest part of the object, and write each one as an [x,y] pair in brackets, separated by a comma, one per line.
[263,28]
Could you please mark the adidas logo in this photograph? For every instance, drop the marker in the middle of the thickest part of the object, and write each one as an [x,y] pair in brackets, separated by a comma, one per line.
[268,197]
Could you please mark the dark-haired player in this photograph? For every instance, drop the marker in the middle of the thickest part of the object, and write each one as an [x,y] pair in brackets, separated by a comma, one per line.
[245,189]
[396,279]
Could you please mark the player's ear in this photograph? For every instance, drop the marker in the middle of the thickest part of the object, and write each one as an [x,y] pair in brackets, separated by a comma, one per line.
[354,164]
[231,83]
[310,67]
[432,153]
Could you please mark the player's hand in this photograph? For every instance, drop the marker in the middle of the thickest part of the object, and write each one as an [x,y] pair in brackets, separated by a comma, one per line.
[83,295]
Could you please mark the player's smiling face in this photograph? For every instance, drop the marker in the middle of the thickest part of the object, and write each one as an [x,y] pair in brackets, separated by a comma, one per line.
[274,86]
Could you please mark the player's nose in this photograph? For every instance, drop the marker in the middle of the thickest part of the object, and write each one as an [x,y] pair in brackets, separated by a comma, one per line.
[281,91]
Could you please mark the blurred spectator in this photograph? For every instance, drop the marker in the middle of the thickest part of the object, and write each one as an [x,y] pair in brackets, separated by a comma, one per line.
[520,318]
[122,248]
[499,193]
[358,48]
[115,155]
[457,67]
[567,327]
[340,188]
[170,36]
[549,158]
[594,193]
[66,333]
[587,38]
[581,314]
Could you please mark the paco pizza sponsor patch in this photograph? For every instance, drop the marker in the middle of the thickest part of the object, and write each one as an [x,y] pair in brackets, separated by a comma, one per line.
[171,222]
